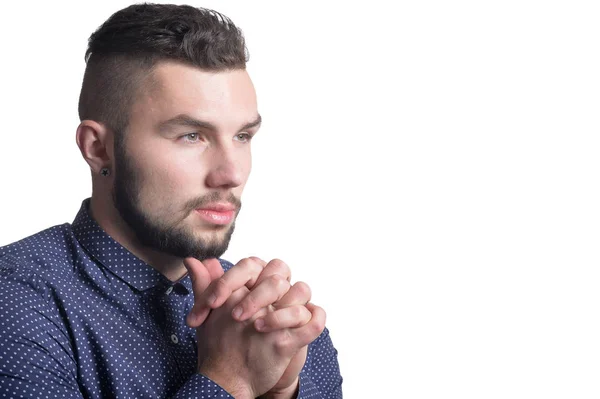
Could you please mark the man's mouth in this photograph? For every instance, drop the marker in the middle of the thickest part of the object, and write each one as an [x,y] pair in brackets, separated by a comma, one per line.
[217,213]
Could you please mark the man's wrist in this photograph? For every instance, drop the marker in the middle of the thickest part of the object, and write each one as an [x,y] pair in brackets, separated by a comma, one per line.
[232,386]
[290,392]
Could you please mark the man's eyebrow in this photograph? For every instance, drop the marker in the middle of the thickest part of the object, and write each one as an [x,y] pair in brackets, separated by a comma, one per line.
[188,121]
[255,123]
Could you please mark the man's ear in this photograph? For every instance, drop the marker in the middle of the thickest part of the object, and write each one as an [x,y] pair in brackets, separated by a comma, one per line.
[95,141]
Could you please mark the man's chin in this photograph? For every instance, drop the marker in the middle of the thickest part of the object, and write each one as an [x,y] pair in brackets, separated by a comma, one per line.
[199,250]
[210,244]
[189,240]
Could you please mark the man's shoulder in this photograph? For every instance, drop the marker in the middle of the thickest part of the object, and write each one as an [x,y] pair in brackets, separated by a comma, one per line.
[30,276]
[46,254]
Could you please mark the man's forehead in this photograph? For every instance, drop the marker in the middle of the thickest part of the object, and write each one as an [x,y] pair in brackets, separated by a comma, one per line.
[176,89]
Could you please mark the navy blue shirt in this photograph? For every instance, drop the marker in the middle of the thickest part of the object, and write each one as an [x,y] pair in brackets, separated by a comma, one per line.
[82,317]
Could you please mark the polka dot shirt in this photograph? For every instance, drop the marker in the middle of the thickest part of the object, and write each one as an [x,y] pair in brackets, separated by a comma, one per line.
[82,317]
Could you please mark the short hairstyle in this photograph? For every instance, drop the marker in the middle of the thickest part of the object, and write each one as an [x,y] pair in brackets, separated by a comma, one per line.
[123,51]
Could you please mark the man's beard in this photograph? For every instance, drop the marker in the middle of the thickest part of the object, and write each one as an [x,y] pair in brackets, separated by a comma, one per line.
[172,238]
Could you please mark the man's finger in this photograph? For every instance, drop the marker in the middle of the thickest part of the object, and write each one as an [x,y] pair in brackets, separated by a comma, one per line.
[201,278]
[259,261]
[299,294]
[264,294]
[244,273]
[289,317]
[199,275]
[214,268]
[275,266]
[310,331]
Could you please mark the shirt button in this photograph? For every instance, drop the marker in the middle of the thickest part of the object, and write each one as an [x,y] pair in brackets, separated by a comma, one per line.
[174,338]
[169,290]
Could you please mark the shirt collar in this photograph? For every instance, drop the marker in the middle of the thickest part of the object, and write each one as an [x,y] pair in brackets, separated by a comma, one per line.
[112,255]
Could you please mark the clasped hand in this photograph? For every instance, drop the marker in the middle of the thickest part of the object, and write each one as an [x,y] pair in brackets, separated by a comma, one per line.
[253,326]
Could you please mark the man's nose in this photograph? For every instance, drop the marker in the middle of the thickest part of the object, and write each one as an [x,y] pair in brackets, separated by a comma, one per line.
[226,170]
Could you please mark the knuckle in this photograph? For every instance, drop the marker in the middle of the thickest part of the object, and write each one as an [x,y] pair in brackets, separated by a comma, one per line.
[280,283]
[278,264]
[296,313]
[244,263]
[276,279]
[316,328]
[303,289]
[319,324]
[257,260]
[254,270]
[247,262]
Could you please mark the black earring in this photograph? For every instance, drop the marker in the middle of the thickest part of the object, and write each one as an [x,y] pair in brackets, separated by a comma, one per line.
[105,172]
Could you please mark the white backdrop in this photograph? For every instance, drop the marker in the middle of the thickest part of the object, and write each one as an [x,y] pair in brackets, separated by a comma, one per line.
[430,168]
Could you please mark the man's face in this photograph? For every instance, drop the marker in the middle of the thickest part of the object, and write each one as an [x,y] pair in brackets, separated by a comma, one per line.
[181,170]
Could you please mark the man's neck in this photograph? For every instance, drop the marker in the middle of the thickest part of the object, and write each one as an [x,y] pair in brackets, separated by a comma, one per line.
[106,215]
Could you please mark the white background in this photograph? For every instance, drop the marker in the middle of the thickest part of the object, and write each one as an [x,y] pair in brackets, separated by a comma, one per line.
[430,168]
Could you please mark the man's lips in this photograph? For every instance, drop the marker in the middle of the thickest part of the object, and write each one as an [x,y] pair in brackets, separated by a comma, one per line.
[218,207]
[217,213]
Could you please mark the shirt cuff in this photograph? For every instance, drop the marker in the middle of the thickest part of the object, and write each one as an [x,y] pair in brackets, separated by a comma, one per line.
[201,387]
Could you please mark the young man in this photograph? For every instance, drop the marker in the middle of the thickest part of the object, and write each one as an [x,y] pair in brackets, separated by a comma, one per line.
[98,308]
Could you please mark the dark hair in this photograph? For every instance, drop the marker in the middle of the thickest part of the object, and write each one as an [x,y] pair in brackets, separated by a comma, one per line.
[123,51]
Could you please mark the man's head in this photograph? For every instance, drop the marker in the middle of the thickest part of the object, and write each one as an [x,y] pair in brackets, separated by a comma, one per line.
[167,86]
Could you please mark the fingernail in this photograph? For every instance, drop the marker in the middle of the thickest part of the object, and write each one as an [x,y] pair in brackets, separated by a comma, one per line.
[259,324]
[237,312]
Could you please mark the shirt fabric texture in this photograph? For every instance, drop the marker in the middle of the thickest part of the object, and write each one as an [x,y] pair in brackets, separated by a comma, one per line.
[82,317]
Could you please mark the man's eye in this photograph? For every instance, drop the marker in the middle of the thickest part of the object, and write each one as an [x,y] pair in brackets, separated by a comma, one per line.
[191,137]
[243,137]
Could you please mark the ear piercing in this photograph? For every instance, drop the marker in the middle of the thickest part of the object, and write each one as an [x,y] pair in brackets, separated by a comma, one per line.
[105,172]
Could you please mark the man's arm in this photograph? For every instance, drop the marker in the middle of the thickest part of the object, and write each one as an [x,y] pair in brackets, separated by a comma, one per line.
[36,358]
[36,354]
[320,377]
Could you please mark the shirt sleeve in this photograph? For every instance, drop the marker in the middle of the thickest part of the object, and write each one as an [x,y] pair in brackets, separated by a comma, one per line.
[36,358]
[320,377]
[201,387]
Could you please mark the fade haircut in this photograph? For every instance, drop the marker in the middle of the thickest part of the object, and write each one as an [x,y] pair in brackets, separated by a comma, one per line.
[123,51]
